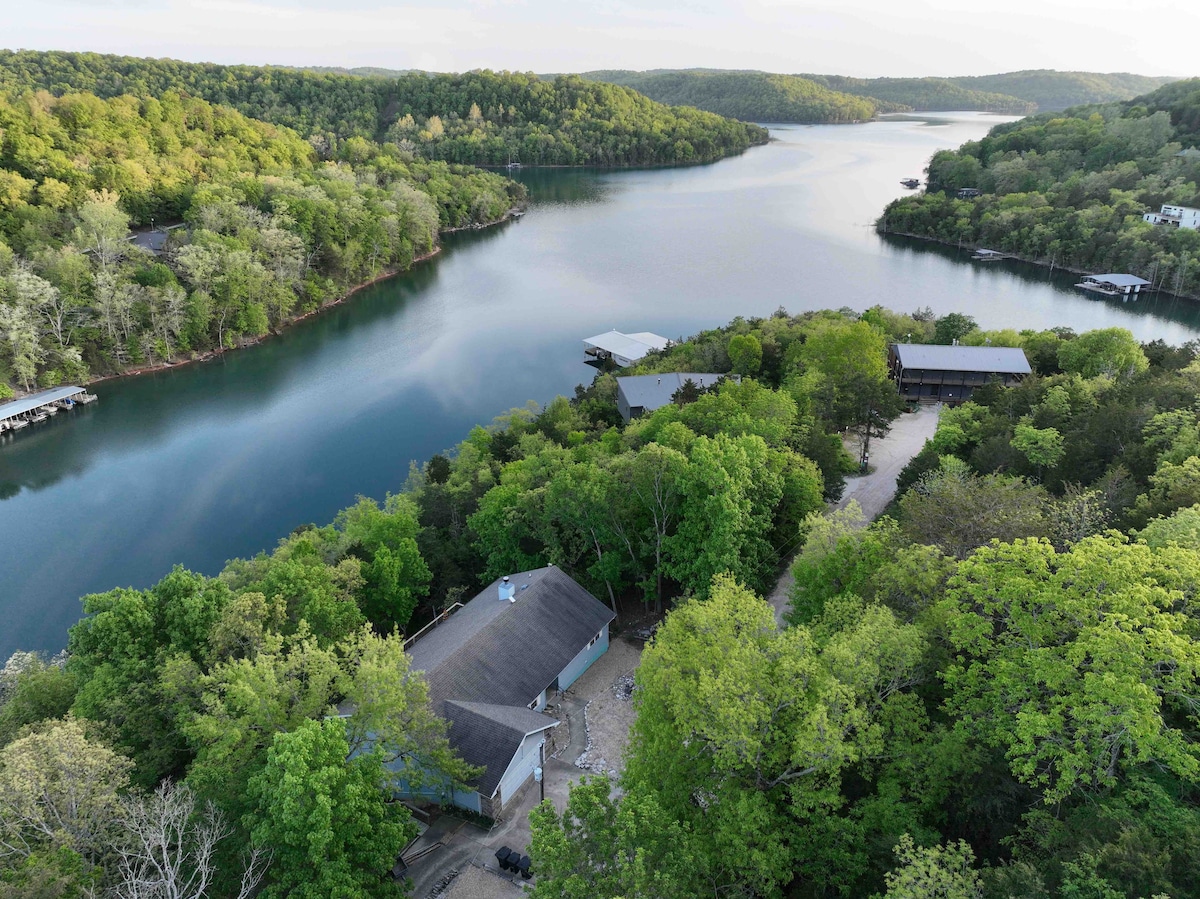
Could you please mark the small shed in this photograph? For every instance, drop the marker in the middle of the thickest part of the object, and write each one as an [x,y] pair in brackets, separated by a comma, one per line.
[623,349]
[950,374]
[639,394]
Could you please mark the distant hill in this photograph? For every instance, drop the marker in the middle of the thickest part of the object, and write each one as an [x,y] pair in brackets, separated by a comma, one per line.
[476,117]
[926,94]
[750,96]
[1052,90]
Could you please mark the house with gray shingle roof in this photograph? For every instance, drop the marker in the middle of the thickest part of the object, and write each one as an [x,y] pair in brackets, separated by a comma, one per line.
[639,395]
[492,666]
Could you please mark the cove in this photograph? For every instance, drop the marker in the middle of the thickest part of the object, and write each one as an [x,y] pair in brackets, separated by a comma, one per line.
[207,462]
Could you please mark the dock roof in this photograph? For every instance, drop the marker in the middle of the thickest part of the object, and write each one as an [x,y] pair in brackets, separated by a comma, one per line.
[628,346]
[989,359]
[1116,279]
[37,400]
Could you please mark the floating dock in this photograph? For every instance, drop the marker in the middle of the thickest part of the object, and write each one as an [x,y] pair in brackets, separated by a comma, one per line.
[38,407]
[983,255]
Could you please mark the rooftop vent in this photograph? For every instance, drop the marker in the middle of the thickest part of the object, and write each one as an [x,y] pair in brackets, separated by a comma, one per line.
[507,590]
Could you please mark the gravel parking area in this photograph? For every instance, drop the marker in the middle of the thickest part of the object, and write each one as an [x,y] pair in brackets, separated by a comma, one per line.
[606,687]
[476,883]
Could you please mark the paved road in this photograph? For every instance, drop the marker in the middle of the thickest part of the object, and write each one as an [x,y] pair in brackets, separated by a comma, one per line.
[874,490]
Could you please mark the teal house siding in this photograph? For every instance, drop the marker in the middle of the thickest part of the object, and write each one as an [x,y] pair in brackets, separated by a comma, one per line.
[583,661]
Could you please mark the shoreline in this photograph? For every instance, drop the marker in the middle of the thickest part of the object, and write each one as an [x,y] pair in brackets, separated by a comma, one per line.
[282,327]
[1040,264]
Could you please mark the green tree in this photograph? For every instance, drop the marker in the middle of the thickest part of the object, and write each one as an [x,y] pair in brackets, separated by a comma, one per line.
[1086,652]
[952,327]
[958,511]
[600,846]
[1112,352]
[934,872]
[324,817]
[744,731]
[1043,447]
[60,790]
[745,352]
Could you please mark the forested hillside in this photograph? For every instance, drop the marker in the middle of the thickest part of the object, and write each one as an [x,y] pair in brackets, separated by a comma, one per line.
[750,96]
[1071,189]
[991,693]
[480,118]
[1052,90]
[268,231]
[926,94]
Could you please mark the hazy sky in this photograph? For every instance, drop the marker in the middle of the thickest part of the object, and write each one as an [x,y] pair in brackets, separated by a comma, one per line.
[852,37]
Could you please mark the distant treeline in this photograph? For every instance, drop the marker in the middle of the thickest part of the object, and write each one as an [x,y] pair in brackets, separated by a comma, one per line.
[752,96]
[929,94]
[809,98]
[1052,90]
[482,118]
[1071,189]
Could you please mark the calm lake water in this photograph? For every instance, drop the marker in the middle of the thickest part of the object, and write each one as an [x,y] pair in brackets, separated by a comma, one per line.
[209,462]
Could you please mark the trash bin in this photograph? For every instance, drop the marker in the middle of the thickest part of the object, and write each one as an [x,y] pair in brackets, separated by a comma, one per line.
[503,854]
[523,867]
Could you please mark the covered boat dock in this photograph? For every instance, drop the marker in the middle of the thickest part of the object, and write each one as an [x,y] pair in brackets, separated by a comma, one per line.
[39,406]
[622,349]
[1114,284]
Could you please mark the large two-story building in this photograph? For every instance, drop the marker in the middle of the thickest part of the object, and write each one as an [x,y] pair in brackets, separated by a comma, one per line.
[950,374]
[1175,217]
[492,666]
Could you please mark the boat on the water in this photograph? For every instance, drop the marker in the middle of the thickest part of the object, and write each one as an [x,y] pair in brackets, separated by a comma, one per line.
[910,183]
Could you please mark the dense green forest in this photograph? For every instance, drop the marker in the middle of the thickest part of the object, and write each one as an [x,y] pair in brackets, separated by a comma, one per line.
[482,118]
[1052,90]
[751,96]
[927,94]
[269,231]
[991,692]
[1070,189]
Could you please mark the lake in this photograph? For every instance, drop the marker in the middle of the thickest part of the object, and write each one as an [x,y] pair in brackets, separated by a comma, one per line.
[207,462]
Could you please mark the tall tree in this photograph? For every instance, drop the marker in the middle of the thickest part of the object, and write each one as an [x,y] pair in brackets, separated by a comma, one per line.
[324,817]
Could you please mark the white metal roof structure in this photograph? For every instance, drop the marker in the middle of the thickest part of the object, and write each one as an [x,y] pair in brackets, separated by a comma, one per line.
[36,401]
[990,359]
[1119,280]
[627,346]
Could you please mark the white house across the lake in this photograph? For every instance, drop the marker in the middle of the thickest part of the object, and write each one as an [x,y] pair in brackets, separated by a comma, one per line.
[1176,217]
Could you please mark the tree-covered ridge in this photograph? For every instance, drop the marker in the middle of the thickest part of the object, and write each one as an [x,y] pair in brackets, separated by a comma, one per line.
[268,230]
[477,117]
[751,96]
[993,692]
[927,94]
[1053,90]
[1070,189]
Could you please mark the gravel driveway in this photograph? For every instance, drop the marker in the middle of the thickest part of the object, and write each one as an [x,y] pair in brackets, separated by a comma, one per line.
[875,489]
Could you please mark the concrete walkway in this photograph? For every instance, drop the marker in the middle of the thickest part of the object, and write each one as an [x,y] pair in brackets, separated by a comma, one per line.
[875,489]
